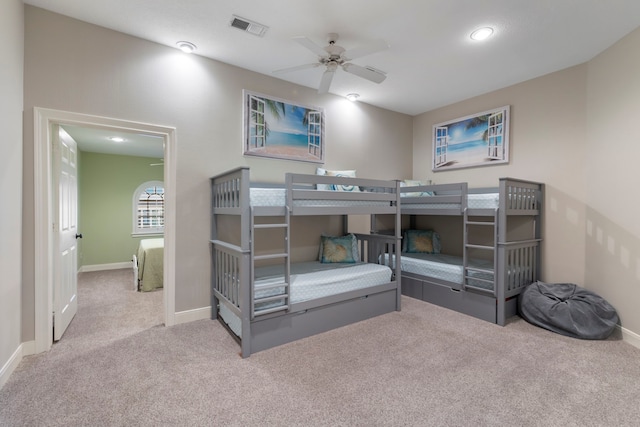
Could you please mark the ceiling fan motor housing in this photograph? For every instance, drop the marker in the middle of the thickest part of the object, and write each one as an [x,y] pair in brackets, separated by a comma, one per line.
[335,52]
[333,56]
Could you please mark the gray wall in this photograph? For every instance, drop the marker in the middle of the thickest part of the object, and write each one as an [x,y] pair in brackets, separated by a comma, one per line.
[79,67]
[11,71]
[577,131]
[612,150]
[547,138]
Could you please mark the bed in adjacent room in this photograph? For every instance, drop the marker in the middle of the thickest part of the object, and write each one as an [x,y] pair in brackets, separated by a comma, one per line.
[148,265]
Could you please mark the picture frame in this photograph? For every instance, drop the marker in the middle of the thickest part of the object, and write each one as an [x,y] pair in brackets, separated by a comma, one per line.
[480,139]
[280,129]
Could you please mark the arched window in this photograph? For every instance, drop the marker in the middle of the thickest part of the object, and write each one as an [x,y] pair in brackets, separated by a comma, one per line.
[148,208]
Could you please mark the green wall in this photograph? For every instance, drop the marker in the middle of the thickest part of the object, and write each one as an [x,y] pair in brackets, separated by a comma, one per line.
[106,187]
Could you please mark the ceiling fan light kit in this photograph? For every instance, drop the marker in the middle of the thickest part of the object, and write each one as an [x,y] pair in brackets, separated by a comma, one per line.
[334,56]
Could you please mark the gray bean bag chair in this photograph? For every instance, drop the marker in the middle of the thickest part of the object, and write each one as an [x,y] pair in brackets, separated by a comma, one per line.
[567,309]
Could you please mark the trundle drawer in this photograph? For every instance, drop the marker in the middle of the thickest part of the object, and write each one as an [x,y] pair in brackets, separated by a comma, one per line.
[470,303]
[476,305]
[411,287]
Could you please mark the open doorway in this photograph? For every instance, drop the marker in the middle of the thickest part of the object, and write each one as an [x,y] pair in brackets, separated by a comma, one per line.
[44,121]
[120,201]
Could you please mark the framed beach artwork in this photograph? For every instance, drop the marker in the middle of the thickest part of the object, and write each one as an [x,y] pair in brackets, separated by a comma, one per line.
[281,129]
[478,140]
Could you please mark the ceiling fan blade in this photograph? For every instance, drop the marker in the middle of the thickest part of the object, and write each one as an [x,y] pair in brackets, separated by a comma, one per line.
[325,83]
[377,46]
[299,67]
[366,73]
[313,47]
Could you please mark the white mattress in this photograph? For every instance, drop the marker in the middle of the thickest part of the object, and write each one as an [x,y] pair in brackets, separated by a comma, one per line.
[445,267]
[311,280]
[278,197]
[474,201]
[267,197]
[477,201]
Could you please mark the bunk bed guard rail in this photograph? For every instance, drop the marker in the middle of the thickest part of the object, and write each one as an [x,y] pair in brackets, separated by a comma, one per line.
[231,265]
[519,261]
[516,263]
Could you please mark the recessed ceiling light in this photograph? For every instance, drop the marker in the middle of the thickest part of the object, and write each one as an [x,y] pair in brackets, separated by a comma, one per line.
[353,97]
[186,47]
[482,33]
[116,139]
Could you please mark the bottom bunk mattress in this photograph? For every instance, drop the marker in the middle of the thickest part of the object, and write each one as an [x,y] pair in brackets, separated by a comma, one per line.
[446,267]
[309,281]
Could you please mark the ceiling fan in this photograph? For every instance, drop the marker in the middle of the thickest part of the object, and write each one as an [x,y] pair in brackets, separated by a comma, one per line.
[333,56]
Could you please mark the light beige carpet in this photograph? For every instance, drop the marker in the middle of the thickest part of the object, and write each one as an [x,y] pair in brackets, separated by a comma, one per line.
[423,366]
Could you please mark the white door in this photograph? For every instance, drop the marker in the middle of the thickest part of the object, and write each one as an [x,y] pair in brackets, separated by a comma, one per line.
[65,284]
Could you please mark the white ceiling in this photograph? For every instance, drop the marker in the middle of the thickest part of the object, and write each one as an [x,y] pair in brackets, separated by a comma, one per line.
[431,61]
[99,141]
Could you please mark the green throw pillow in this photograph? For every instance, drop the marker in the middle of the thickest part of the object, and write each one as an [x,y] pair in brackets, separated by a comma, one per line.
[337,249]
[421,241]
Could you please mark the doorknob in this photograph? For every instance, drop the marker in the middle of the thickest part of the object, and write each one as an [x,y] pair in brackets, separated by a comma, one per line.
[79,236]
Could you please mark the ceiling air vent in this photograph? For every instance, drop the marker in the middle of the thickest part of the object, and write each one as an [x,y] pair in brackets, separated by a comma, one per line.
[248,26]
[375,70]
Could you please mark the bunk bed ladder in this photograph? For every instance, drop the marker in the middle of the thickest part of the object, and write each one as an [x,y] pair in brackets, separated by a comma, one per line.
[480,275]
[276,296]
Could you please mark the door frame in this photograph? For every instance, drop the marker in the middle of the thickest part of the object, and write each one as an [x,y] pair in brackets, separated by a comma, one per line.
[44,218]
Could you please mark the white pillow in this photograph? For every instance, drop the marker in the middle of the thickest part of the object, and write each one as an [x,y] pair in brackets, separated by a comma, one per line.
[331,187]
[324,187]
[413,183]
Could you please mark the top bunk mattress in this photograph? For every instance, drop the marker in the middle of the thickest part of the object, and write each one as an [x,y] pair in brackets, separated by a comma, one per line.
[474,201]
[277,197]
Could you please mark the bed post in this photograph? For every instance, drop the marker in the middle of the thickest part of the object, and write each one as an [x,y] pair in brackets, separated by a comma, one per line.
[538,231]
[213,236]
[397,248]
[501,271]
[245,262]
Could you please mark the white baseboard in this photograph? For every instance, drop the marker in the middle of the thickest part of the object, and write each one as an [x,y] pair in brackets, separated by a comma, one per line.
[192,315]
[630,337]
[11,365]
[102,267]
[28,348]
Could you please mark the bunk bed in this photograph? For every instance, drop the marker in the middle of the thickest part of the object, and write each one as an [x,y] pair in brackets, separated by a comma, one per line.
[500,251]
[263,306]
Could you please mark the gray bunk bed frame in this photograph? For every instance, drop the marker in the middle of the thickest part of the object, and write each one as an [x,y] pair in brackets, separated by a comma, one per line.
[516,263]
[233,265]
